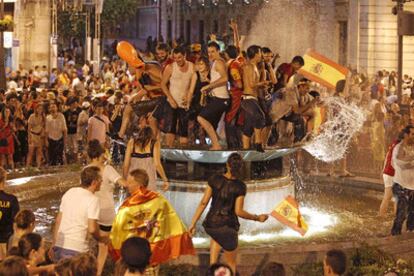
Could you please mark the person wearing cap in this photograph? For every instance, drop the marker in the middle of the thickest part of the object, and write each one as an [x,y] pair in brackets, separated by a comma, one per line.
[135,257]
[72,116]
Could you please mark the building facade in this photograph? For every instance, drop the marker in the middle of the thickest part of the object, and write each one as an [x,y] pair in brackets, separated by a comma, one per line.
[361,34]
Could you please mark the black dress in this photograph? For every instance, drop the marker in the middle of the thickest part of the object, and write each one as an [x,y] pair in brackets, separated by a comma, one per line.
[221,222]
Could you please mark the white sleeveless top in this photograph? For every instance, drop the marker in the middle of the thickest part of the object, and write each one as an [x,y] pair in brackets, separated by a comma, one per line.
[219,92]
[180,82]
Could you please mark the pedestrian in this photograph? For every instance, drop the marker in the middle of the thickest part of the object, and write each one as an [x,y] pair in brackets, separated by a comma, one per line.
[110,177]
[227,192]
[9,206]
[403,187]
[78,215]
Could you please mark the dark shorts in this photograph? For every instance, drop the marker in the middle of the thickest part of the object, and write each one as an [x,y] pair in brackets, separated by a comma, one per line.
[266,106]
[214,109]
[105,228]
[254,116]
[175,121]
[226,237]
[143,108]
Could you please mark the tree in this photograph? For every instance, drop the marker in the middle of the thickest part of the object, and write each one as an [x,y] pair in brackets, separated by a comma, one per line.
[116,11]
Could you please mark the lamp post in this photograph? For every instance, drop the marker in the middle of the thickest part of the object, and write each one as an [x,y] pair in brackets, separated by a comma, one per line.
[2,69]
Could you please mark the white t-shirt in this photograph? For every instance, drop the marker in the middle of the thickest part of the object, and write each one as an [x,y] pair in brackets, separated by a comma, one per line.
[106,195]
[77,206]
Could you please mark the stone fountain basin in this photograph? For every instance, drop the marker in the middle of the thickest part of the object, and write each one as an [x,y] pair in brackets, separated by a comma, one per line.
[287,251]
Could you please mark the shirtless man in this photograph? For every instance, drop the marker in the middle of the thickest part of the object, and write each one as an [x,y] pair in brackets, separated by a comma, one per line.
[179,79]
[148,97]
[254,115]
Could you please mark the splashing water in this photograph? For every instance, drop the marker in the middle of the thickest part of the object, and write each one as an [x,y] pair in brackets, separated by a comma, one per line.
[290,27]
[344,120]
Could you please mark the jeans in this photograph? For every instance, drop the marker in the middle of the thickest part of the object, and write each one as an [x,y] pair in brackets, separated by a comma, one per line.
[55,152]
[62,253]
[405,209]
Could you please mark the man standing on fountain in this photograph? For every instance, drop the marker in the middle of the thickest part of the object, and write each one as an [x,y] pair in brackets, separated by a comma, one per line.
[178,80]
[255,117]
[403,188]
[218,97]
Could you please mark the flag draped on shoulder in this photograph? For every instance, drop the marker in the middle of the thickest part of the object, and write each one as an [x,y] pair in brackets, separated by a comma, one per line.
[149,215]
[287,212]
[322,70]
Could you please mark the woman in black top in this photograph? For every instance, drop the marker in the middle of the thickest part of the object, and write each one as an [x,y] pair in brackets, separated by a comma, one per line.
[221,223]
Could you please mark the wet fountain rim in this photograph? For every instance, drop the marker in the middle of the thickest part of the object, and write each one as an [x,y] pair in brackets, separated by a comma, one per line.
[220,156]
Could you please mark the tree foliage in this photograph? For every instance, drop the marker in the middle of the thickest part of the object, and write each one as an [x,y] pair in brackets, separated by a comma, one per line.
[117,11]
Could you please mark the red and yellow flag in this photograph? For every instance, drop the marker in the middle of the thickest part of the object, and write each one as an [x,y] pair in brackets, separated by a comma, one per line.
[321,69]
[149,215]
[287,212]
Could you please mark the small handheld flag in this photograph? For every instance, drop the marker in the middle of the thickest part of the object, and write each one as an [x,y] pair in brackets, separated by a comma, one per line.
[287,212]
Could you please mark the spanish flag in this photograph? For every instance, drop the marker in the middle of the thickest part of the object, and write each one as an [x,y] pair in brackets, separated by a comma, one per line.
[287,212]
[322,70]
[149,215]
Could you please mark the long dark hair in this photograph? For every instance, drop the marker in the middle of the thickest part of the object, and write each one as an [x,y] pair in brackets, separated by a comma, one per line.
[235,162]
[143,137]
[95,149]
[27,243]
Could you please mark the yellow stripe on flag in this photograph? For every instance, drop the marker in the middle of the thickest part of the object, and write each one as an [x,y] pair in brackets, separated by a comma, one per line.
[320,69]
[287,212]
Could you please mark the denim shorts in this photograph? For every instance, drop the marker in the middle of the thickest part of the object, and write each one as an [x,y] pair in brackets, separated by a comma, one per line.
[62,253]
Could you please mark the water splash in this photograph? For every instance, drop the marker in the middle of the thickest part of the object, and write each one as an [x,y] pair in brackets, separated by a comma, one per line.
[344,120]
[290,27]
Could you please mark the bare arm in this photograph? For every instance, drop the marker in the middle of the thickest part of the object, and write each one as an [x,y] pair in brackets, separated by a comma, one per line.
[221,69]
[157,161]
[240,212]
[201,207]
[127,160]
[165,80]
[93,229]
[56,228]
[191,89]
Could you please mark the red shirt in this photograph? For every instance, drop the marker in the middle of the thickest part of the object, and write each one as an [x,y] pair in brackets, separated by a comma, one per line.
[285,69]
[388,168]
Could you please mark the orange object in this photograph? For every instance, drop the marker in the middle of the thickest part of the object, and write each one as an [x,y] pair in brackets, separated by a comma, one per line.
[128,53]
[287,212]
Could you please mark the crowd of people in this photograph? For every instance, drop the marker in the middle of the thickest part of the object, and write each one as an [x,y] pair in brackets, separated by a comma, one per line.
[24,252]
[190,96]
